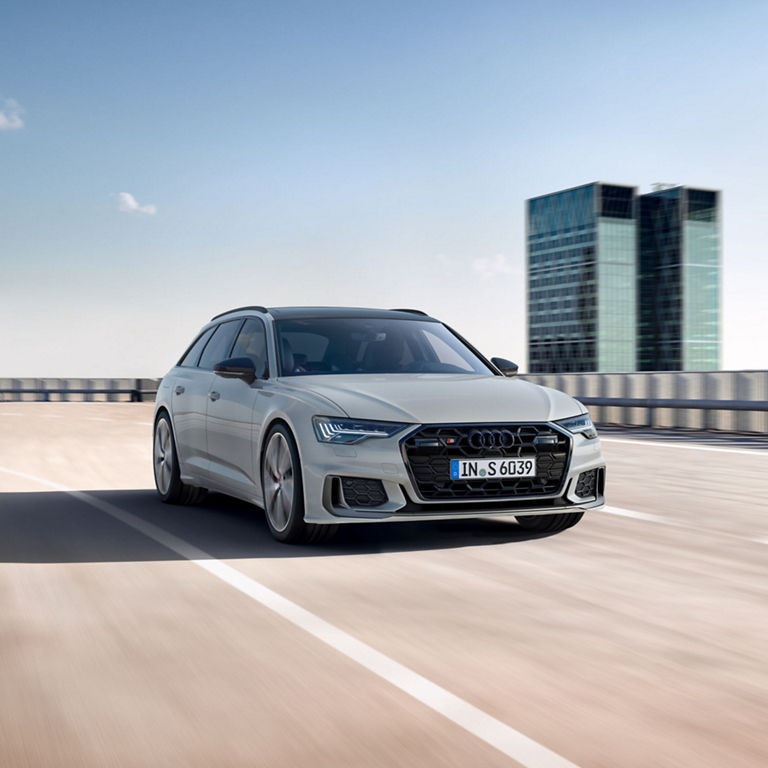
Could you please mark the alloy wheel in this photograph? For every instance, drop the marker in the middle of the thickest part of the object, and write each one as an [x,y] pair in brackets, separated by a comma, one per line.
[163,456]
[278,477]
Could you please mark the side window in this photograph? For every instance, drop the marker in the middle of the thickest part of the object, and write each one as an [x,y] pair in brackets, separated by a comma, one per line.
[193,353]
[252,343]
[219,345]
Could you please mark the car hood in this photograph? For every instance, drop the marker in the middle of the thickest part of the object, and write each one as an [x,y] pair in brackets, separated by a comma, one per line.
[438,398]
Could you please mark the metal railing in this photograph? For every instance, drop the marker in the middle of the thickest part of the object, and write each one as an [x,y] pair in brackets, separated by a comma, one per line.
[87,390]
[735,401]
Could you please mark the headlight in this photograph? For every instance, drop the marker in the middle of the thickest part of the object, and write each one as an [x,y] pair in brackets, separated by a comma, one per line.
[579,425]
[333,430]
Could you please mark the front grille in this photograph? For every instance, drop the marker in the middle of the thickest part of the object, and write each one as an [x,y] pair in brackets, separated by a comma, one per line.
[429,450]
[363,492]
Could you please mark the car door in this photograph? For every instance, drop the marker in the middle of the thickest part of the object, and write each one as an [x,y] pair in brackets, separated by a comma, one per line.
[192,390]
[189,395]
[235,414]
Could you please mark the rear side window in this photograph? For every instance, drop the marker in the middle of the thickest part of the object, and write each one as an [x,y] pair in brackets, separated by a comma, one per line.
[252,343]
[193,353]
[218,347]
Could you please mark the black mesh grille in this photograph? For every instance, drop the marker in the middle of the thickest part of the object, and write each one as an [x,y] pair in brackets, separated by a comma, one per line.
[363,492]
[586,485]
[428,453]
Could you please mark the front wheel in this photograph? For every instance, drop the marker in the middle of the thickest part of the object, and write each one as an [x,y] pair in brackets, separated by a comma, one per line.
[283,489]
[549,523]
[165,460]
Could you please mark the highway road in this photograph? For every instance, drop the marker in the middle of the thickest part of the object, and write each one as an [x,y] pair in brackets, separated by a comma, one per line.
[138,634]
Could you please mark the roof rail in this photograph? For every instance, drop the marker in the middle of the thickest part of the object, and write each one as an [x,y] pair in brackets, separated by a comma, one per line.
[412,311]
[237,309]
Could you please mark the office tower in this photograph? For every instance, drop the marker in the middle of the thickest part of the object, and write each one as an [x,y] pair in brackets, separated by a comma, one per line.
[679,287]
[621,282]
[582,255]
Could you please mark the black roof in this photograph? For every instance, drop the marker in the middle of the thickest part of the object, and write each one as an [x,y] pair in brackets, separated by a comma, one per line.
[298,313]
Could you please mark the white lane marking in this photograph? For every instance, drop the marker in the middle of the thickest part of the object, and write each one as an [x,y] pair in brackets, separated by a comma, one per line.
[633,514]
[11,414]
[98,418]
[493,732]
[146,423]
[685,446]
[647,517]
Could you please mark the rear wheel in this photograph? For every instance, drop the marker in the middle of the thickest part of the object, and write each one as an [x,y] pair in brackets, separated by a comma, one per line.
[166,465]
[283,488]
[549,523]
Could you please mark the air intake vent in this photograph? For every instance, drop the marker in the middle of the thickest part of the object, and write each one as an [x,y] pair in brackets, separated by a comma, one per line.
[363,492]
[586,485]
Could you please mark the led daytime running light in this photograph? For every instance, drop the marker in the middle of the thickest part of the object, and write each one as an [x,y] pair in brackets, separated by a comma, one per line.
[580,425]
[339,430]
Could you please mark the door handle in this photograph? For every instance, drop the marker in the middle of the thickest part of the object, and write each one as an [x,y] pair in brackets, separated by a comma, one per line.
[179,390]
[214,395]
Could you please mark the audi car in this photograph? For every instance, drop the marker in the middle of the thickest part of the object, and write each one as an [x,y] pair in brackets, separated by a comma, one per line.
[323,416]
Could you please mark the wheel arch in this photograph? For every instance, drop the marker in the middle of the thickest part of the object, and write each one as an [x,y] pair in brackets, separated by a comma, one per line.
[164,410]
[273,420]
[269,424]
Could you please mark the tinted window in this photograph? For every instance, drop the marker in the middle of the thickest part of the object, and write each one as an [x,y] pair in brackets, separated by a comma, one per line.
[445,353]
[252,343]
[218,347]
[702,205]
[365,345]
[193,353]
[616,202]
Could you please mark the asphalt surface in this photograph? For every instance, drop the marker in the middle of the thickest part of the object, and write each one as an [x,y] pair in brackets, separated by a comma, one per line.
[637,638]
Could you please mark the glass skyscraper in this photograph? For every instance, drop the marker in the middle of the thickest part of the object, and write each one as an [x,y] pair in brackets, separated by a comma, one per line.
[679,324]
[582,257]
[621,282]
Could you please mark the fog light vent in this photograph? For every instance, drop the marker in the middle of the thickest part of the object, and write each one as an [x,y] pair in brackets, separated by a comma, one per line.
[586,485]
[363,492]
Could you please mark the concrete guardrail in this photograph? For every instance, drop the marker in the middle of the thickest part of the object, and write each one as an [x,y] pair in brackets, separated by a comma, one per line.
[88,390]
[734,401]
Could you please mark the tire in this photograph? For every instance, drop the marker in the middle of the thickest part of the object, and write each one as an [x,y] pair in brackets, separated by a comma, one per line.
[283,489]
[165,462]
[549,523]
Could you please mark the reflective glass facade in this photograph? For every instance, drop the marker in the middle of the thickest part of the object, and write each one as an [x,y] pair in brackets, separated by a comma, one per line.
[679,288]
[582,246]
[621,282]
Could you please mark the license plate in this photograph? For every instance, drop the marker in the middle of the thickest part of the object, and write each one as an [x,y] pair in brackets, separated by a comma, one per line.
[482,469]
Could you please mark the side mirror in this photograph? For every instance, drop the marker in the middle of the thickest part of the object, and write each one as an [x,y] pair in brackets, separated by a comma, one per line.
[507,367]
[236,368]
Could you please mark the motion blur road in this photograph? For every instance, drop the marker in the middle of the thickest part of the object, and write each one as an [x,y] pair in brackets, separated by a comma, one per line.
[638,638]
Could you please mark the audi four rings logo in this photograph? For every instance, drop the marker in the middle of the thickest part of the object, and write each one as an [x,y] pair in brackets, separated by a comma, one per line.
[491,438]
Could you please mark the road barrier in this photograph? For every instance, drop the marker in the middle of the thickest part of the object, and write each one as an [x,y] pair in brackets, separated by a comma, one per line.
[735,401]
[105,390]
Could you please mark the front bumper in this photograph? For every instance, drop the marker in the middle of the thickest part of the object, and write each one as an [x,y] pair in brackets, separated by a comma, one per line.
[328,468]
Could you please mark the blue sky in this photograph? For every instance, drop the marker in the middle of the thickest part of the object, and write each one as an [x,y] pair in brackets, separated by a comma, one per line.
[374,154]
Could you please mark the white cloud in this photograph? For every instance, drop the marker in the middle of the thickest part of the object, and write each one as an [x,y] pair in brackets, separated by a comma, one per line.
[490,266]
[10,115]
[127,203]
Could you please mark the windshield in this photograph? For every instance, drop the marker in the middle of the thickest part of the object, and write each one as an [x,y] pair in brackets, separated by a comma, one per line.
[365,345]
